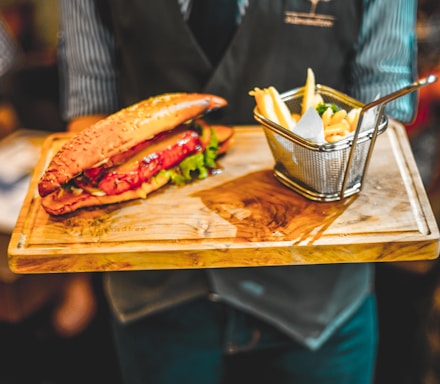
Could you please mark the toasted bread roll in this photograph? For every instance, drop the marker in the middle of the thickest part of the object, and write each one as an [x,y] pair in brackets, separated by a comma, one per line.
[122,130]
[65,200]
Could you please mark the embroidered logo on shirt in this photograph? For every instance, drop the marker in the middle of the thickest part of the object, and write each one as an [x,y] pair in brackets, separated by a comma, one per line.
[310,18]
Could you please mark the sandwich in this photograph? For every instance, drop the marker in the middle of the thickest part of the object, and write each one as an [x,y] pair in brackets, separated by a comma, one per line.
[134,152]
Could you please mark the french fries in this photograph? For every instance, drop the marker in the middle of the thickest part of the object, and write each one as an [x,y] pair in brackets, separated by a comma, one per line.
[273,107]
[310,98]
[337,124]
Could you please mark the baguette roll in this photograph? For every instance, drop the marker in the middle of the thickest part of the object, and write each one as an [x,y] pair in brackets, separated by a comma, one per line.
[134,152]
[121,131]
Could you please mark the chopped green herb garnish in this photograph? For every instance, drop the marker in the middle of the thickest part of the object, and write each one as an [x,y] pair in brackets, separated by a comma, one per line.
[322,107]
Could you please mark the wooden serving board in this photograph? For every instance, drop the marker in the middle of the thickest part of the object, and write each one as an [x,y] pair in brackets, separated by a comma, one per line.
[240,217]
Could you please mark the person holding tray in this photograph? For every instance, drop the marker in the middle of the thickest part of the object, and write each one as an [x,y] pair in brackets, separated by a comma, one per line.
[302,324]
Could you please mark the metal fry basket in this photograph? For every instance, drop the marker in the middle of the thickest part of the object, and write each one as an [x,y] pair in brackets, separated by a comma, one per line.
[328,171]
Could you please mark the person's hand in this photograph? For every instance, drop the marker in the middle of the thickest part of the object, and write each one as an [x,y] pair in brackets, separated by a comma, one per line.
[77,306]
[80,123]
[8,119]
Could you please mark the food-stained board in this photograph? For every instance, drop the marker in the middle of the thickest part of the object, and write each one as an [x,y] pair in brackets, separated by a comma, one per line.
[241,216]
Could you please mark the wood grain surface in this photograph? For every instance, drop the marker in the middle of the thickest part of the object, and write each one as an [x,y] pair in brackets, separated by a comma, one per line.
[240,217]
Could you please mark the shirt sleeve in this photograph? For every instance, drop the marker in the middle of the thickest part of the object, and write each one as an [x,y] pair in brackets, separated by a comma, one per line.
[386,52]
[86,54]
[8,48]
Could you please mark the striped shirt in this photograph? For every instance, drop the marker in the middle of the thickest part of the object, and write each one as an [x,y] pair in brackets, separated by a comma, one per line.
[385,58]
[9,52]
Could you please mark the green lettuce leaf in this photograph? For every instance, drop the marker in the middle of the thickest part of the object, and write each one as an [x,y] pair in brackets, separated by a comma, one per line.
[197,165]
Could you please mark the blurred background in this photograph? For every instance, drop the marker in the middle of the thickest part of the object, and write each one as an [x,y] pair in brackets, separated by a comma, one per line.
[54,329]
[31,88]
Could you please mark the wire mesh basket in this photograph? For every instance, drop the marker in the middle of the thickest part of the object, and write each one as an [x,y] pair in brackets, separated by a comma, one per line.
[328,171]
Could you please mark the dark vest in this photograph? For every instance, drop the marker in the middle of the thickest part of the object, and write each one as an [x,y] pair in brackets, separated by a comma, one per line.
[158,52]
[274,45]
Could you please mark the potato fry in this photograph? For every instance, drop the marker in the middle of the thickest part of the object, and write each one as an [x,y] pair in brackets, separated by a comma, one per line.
[296,117]
[336,132]
[317,99]
[340,128]
[270,111]
[337,117]
[281,110]
[264,103]
[337,125]
[272,107]
[326,116]
[334,138]
[309,91]
[353,118]
[346,125]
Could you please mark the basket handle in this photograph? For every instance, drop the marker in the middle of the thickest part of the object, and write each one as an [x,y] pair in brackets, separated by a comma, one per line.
[401,92]
[381,103]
